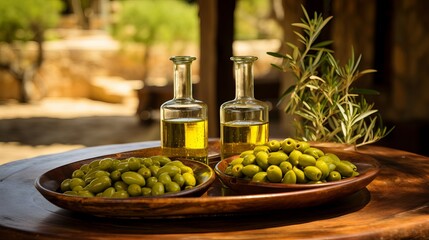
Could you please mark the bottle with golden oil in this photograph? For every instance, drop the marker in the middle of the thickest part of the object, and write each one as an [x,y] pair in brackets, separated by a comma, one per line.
[184,127]
[244,120]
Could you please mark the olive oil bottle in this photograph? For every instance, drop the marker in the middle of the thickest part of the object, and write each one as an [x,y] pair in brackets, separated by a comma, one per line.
[244,120]
[184,125]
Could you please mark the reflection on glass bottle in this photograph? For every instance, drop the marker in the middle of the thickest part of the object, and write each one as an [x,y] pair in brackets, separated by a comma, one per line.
[244,120]
[184,127]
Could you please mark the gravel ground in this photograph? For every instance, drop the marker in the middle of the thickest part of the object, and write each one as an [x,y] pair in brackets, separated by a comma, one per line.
[58,125]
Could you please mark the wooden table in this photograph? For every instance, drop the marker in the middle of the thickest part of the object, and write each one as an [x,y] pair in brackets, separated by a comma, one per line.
[394,206]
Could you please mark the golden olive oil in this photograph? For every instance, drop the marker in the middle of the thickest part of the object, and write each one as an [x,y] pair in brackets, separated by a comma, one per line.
[239,136]
[185,137]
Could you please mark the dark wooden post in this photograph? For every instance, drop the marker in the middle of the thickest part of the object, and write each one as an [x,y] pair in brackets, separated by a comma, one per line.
[217,35]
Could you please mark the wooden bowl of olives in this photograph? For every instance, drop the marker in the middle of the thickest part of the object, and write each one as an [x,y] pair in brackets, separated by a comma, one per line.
[270,170]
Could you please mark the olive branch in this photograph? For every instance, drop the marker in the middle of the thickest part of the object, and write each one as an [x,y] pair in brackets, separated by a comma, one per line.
[328,107]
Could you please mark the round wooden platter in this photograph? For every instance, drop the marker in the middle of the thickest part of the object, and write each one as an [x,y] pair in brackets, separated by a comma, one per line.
[216,195]
[393,205]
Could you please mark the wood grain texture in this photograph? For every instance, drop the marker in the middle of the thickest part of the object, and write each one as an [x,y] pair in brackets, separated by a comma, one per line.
[393,206]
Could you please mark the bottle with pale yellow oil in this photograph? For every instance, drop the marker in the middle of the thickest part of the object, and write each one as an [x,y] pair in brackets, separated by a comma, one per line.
[244,121]
[183,119]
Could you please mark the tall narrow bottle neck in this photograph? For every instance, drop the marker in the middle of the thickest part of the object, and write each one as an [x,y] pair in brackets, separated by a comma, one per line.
[244,80]
[182,77]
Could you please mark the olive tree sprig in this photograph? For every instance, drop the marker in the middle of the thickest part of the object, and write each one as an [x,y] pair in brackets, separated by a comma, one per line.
[323,97]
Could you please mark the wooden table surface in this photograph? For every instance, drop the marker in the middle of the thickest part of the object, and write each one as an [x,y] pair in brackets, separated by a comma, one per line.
[394,206]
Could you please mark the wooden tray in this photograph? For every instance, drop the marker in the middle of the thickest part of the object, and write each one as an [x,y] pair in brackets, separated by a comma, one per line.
[217,200]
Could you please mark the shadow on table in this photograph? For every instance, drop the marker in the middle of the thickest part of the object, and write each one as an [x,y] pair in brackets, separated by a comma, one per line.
[225,223]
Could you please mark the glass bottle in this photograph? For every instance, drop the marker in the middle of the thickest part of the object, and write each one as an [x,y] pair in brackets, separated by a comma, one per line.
[244,120]
[184,126]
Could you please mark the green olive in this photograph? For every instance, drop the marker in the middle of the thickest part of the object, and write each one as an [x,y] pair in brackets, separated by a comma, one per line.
[115,163]
[99,184]
[344,169]
[285,166]
[164,178]
[133,177]
[176,163]
[120,185]
[154,170]
[350,164]
[189,179]
[94,164]
[146,191]
[275,158]
[115,175]
[243,154]
[302,146]
[320,164]
[65,185]
[91,175]
[238,160]
[105,164]
[158,189]
[228,170]
[236,170]
[274,174]
[77,188]
[134,163]
[250,170]
[134,190]
[274,145]
[315,152]
[172,187]
[147,162]
[122,167]
[169,169]
[108,192]
[145,172]
[161,159]
[306,160]
[120,194]
[261,148]
[300,176]
[185,168]
[249,159]
[288,145]
[334,176]
[334,157]
[179,179]
[85,168]
[262,160]
[289,177]
[313,173]
[78,173]
[85,193]
[72,193]
[76,182]
[260,177]
[150,181]
[294,157]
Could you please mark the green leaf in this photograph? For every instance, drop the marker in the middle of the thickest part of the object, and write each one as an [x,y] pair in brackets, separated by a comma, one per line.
[277,66]
[276,54]
[343,112]
[363,115]
[301,25]
[322,44]
[364,91]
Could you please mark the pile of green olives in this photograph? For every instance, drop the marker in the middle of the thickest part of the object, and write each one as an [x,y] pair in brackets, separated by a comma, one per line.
[130,177]
[290,161]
